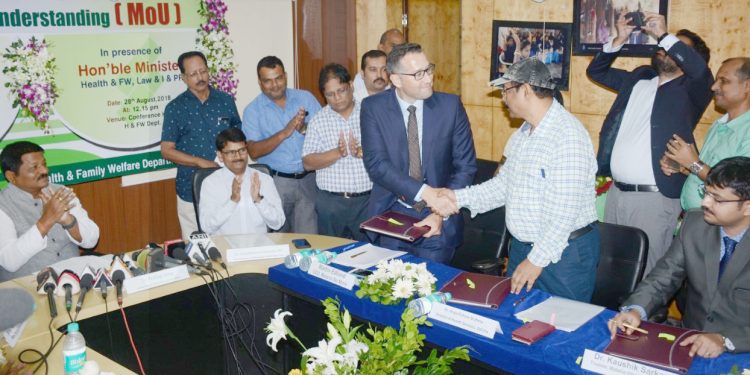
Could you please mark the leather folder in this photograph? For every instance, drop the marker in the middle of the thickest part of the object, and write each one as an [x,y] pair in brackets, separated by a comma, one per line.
[477,289]
[395,224]
[651,349]
[532,332]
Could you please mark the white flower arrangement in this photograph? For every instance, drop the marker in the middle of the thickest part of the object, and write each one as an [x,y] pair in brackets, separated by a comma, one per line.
[30,70]
[395,280]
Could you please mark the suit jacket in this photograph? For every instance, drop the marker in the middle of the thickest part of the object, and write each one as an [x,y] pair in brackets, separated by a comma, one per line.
[678,106]
[721,307]
[448,156]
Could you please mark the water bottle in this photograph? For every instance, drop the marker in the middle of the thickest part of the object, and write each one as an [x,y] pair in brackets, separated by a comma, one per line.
[74,350]
[292,260]
[423,306]
[324,257]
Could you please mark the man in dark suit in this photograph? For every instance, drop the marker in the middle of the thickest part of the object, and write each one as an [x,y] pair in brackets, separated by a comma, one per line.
[415,140]
[653,103]
[712,253]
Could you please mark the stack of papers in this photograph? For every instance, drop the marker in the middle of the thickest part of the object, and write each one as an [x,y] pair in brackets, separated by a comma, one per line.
[568,314]
[366,256]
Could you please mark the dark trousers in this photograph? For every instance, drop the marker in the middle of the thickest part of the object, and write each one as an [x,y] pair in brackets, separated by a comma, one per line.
[434,248]
[339,216]
[573,276]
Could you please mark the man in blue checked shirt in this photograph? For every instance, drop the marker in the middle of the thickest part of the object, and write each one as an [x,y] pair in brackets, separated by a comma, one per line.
[547,188]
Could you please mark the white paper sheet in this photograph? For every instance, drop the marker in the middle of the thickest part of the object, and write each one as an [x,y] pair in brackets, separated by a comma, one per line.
[569,314]
[245,241]
[366,256]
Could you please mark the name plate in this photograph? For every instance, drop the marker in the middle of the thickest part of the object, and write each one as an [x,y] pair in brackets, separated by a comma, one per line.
[12,334]
[465,320]
[332,275]
[606,364]
[154,279]
[258,252]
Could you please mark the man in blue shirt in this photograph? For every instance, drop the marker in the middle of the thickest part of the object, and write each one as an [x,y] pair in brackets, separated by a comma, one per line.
[191,123]
[274,123]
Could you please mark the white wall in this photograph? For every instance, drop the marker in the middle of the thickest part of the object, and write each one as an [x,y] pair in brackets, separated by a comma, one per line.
[259,28]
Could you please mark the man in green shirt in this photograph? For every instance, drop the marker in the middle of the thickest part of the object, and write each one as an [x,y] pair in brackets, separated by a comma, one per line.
[729,136]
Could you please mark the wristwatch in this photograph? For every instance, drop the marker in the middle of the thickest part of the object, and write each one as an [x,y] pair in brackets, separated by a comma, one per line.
[727,343]
[696,167]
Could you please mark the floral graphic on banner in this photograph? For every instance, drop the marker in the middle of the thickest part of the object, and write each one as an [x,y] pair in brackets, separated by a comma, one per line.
[213,40]
[29,69]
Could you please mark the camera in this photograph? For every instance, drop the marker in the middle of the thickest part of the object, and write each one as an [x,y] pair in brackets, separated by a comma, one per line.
[636,19]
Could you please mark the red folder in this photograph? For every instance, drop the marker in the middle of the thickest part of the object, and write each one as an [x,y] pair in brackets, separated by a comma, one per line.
[532,332]
[650,349]
[395,224]
[477,289]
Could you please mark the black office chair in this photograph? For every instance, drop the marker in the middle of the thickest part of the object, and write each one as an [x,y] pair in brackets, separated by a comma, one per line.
[486,240]
[200,174]
[622,260]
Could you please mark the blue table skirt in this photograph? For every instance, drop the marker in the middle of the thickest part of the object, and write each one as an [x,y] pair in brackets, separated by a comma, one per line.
[554,354]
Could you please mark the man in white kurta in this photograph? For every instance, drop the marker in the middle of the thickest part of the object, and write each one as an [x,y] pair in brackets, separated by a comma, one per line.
[237,199]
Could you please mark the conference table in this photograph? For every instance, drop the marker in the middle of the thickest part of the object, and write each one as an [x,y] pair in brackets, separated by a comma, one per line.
[557,353]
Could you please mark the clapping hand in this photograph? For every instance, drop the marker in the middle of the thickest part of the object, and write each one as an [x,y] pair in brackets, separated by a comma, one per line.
[343,150]
[355,149]
[56,205]
[255,188]
[295,124]
[236,188]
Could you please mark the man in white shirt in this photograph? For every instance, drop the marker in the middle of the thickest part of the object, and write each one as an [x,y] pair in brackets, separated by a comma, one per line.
[332,149]
[373,75]
[389,39]
[40,223]
[237,199]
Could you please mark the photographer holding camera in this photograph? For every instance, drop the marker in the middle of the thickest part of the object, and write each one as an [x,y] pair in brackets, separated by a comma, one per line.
[653,103]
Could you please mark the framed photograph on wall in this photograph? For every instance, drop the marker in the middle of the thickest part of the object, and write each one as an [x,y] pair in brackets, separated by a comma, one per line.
[594,25]
[547,41]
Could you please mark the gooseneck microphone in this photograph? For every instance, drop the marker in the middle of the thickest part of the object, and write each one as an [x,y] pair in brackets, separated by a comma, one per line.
[87,282]
[118,276]
[45,280]
[215,255]
[68,284]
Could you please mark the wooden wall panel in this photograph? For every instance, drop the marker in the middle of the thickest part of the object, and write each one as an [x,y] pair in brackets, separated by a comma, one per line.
[435,24]
[130,217]
[475,57]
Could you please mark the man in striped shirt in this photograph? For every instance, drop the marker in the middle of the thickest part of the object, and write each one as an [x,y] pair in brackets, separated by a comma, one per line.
[332,148]
[547,188]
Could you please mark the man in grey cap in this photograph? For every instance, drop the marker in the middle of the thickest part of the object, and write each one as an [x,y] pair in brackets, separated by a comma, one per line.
[547,188]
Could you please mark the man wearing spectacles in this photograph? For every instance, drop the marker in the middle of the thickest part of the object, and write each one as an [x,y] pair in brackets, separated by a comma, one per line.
[237,199]
[653,103]
[332,149]
[415,139]
[729,136]
[191,121]
[712,254]
[547,188]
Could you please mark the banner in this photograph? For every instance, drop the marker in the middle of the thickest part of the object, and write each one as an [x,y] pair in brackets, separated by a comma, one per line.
[89,80]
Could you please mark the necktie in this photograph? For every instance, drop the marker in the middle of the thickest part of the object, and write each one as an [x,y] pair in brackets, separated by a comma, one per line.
[729,245]
[412,136]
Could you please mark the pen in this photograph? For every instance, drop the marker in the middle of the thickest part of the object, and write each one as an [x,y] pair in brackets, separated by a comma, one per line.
[626,325]
[358,254]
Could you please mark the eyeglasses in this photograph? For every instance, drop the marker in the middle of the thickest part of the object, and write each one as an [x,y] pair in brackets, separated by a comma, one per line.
[237,152]
[197,73]
[702,193]
[340,92]
[503,89]
[420,73]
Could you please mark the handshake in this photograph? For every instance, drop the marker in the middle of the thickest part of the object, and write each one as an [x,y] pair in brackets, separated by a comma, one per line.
[442,201]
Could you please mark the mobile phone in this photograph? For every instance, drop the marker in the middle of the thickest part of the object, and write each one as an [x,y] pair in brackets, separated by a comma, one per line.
[301,243]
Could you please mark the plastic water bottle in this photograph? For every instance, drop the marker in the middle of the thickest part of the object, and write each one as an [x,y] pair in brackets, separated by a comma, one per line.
[292,260]
[422,306]
[324,257]
[74,350]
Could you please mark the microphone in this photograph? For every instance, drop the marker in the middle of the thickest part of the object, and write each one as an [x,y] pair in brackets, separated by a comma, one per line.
[68,284]
[86,282]
[45,280]
[179,254]
[215,255]
[132,266]
[118,272]
[103,282]
[17,306]
[201,240]
[194,254]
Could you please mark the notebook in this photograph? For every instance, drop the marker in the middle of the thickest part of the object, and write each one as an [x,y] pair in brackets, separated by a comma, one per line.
[395,224]
[654,350]
[532,332]
[477,289]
